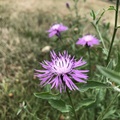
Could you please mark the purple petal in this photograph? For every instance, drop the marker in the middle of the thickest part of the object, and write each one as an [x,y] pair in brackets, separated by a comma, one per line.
[89,40]
[79,63]
[69,83]
[78,79]
[61,65]
[63,28]
[51,34]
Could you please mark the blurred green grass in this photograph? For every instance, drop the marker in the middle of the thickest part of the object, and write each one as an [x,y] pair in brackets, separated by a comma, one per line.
[21,41]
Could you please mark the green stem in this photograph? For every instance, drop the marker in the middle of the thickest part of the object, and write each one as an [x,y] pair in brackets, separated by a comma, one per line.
[100,36]
[88,48]
[76,9]
[71,103]
[115,30]
[60,40]
[33,115]
[107,109]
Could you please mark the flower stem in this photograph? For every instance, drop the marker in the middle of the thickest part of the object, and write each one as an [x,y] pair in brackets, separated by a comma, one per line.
[100,36]
[115,30]
[100,117]
[88,48]
[76,8]
[71,103]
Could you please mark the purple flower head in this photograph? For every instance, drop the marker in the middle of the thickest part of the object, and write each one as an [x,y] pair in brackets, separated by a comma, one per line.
[88,40]
[56,29]
[61,72]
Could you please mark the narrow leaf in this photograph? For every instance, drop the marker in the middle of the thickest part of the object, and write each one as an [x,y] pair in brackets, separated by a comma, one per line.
[111,8]
[19,111]
[100,17]
[93,14]
[118,26]
[85,103]
[114,76]
[109,113]
[91,84]
[60,105]
[47,96]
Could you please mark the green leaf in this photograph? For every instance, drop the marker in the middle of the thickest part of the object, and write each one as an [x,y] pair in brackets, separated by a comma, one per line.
[90,102]
[117,68]
[91,84]
[92,13]
[47,96]
[60,105]
[111,8]
[85,103]
[118,26]
[19,111]
[114,76]
[47,88]
[100,16]
[109,113]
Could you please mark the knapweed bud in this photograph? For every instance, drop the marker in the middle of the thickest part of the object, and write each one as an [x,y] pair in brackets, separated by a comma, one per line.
[68,5]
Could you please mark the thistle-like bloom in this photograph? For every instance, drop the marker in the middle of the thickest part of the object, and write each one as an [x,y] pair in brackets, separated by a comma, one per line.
[56,29]
[88,40]
[61,72]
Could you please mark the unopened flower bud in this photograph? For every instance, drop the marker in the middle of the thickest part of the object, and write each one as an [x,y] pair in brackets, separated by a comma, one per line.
[67,5]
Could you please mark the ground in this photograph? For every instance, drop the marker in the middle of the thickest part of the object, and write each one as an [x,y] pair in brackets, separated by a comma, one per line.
[58,7]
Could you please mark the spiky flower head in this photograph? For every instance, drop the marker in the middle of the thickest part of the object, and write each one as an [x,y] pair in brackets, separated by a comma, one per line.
[88,40]
[62,72]
[56,29]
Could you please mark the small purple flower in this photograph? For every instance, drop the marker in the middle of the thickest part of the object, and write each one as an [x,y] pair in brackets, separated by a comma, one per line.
[56,29]
[88,40]
[61,72]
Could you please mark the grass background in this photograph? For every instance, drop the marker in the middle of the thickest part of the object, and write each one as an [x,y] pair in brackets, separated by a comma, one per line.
[22,37]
